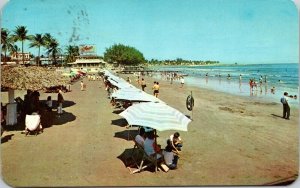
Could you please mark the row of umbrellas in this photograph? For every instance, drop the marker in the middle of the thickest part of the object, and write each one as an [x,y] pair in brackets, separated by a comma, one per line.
[150,111]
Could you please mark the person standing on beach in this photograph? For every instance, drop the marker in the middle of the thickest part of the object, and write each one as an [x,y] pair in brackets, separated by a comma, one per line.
[128,80]
[143,84]
[81,86]
[286,107]
[60,100]
[155,89]
[182,81]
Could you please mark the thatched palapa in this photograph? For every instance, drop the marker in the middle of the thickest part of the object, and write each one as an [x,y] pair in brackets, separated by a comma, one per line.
[33,78]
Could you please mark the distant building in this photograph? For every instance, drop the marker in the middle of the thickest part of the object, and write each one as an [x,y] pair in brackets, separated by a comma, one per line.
[88,63]
[88,60]
[18,57]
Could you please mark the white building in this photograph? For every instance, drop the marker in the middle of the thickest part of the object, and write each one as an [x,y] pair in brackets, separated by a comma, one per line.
[88,63]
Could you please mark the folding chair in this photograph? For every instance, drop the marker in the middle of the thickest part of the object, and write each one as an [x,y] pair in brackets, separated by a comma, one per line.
[145,158]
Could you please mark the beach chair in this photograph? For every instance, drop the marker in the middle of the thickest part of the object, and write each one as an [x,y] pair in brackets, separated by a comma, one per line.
[145,161]
[33,124]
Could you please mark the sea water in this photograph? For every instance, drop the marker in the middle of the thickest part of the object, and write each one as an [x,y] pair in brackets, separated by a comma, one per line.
[283,77]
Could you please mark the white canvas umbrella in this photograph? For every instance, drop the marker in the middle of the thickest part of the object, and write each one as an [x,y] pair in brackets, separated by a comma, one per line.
[119,82]
[158,116]
[134,95]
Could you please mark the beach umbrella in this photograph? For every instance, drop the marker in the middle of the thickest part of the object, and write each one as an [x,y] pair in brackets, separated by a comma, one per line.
[134,96]
[120,83]
[158,116]
[24,78]
[66,74]
[32,78]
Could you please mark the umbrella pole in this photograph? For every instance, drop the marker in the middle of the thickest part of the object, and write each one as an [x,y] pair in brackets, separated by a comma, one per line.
[192,107]
[11,95]
[155,151]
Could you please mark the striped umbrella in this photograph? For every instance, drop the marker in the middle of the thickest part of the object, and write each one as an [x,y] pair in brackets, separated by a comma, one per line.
[158,116]
[134,95]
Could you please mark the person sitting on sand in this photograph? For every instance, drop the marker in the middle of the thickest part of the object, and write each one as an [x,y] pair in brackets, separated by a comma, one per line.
[176,142]
[140,138]
[171,160]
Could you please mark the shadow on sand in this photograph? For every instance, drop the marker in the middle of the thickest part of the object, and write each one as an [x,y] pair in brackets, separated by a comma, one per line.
[275,115]
[119,122]
[131,157]
[128,134]
[118,111]
[54,103]
[6,138]
[64,118]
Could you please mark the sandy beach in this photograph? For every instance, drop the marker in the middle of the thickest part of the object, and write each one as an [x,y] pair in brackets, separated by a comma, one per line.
[232,140]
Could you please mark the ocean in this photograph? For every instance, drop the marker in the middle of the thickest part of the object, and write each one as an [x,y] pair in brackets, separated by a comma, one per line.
[283,77]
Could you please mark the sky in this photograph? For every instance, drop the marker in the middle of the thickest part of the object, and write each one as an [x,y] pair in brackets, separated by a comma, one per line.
[229,31]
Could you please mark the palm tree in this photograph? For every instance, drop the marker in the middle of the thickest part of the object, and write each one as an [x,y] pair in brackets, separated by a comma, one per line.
[20,34]
[72,52]
[37,41]
[53,49]
[47,39]
[6,42]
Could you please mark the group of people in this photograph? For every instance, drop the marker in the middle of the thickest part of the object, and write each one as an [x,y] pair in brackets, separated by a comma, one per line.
[169,155]
[93,77]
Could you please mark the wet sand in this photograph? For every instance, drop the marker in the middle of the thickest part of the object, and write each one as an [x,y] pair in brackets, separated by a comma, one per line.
[232,140]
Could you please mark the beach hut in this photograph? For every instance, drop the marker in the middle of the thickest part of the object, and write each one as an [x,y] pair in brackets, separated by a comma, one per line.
[27,78]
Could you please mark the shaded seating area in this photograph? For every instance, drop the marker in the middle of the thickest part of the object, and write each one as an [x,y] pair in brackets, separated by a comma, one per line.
[141,160]
[148,112]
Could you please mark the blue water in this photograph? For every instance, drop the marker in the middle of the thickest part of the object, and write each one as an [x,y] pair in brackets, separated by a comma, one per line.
[284,77]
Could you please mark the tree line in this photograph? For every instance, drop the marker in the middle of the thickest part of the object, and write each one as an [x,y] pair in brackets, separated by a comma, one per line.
[180,61]
[117,54]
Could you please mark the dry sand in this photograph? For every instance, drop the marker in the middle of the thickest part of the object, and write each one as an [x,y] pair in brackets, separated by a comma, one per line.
[232,140]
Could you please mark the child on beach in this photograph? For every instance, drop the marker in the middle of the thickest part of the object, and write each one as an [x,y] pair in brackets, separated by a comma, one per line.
[176,142]
[171,160]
